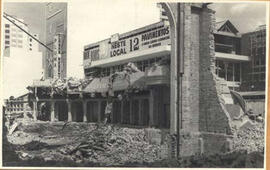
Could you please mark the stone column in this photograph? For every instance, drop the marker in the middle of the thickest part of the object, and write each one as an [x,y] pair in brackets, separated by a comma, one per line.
[52,111]
[69,111]
[35,108]
[84,111]
[131,113]
[35,111]
[151,108]
[122,112]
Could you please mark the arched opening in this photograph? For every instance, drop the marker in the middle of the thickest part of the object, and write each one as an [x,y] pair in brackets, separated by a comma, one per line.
[92,111]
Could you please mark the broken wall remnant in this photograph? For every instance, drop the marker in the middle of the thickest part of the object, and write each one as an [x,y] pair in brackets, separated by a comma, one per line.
[196,101]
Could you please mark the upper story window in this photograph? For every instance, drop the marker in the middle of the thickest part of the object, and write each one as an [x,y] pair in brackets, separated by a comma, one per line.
[86,55]
[7,25]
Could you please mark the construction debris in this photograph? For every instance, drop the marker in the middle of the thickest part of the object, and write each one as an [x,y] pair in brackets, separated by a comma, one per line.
[90,144]
[13,128]
[106,145]
[250,137]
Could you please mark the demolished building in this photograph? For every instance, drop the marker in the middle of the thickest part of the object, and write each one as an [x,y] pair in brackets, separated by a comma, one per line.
[141,74]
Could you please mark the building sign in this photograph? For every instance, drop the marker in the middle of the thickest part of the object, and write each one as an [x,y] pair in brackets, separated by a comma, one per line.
[117,46]
[142,41]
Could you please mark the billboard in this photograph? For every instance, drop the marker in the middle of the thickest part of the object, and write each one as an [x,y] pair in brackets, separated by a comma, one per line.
[118,46]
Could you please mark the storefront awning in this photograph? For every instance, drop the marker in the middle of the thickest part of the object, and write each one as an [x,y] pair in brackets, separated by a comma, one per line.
[97,85]
[100,85]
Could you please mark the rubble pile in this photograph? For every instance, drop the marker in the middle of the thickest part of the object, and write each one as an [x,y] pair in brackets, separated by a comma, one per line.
[94,145]
[111,146]
[250,137]
[84,144]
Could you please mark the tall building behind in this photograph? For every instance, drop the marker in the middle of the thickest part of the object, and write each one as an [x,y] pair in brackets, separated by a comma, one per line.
[22,60]
[15,38]
[253,44]
[55,63]
[33,44]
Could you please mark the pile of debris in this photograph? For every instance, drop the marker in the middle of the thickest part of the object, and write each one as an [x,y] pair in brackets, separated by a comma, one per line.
[90,144]
[250,137]
[111,146]
[85,144]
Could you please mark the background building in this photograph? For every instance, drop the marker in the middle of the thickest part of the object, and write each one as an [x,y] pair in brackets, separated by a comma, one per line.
[56,26]
[15,38]
[22,61]
[240,60]
[17,105]
[229,59]
[253,44]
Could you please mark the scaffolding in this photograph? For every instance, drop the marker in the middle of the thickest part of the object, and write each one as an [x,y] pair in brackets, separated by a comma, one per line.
[258,57]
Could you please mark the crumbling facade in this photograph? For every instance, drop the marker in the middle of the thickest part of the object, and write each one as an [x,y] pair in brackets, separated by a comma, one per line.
[204,122]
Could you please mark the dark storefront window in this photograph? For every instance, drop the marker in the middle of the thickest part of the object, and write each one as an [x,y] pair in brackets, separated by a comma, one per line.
[135,112]
[237,72]
[92,106]
[126,112]
[116,118]
[230,72]
[145,112]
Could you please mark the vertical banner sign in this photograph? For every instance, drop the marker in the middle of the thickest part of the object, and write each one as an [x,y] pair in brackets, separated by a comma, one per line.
[56,57]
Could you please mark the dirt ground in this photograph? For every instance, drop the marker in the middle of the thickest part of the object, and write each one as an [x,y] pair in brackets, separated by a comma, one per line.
[61,144]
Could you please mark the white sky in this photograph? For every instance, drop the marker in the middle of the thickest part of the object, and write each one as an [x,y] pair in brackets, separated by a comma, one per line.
[95,20]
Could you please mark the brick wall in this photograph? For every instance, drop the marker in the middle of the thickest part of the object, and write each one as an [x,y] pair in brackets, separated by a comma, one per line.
[213,115]
[204,118]
[190,91]
[203,106]
[205,121]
